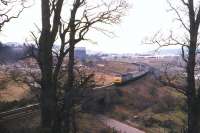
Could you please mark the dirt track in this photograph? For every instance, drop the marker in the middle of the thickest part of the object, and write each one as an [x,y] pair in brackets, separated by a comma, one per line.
[119,126]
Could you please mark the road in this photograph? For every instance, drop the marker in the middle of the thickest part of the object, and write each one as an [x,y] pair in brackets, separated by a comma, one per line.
[119,126]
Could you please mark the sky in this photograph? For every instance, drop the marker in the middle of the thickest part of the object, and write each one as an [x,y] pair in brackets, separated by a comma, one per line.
[142,20]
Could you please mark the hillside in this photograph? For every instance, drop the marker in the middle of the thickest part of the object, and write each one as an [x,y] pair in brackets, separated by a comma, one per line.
[148,105]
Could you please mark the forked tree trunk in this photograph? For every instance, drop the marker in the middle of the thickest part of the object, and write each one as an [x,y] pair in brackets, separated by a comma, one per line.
[48,80]
[48,91]
[68,98]
[193,118]
[192,94]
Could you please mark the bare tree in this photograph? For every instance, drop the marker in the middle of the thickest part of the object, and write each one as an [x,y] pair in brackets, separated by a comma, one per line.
[188,15]
[71,33]
[75,30]
[51,10]
[10,9]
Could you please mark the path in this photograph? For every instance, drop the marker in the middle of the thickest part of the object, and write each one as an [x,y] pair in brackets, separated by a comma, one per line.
[119,126]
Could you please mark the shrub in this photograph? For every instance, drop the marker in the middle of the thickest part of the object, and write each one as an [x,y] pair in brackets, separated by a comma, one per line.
[167,103]
[4,106]
[153,91]
[109,130]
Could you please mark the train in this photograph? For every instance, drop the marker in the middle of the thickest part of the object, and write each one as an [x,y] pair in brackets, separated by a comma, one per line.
[124,78]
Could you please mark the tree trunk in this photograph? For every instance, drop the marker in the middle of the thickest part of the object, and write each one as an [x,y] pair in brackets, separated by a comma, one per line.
[193,117]
[68,98]
[48,105]
[192,98]
[49,79]
[71,68]
[69,92]
[48,91]
[74,124]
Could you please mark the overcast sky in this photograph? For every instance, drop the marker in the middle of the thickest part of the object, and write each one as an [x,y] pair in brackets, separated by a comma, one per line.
[144,19]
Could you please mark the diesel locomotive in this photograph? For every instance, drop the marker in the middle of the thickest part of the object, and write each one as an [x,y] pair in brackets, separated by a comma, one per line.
[123,78]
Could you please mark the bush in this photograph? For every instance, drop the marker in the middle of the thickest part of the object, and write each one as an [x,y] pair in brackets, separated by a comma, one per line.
[153,91]
[167,103]
[109,130]
[4,106]
[150,122]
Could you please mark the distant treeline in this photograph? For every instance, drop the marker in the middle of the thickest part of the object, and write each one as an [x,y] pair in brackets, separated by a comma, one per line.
[12,52]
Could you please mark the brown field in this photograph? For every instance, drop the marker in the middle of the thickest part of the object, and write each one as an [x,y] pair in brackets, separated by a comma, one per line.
[103,79]
[105,71]
[11,90]
[113,67]
[14,92]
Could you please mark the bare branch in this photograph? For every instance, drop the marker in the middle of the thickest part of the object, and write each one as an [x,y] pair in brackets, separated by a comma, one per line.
[169,81]
[10,10]
[183,54]
[178,14]
[185,3]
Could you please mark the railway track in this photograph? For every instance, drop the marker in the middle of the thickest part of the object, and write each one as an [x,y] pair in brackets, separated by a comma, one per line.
[19,113]
[25,111]
[28,110]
